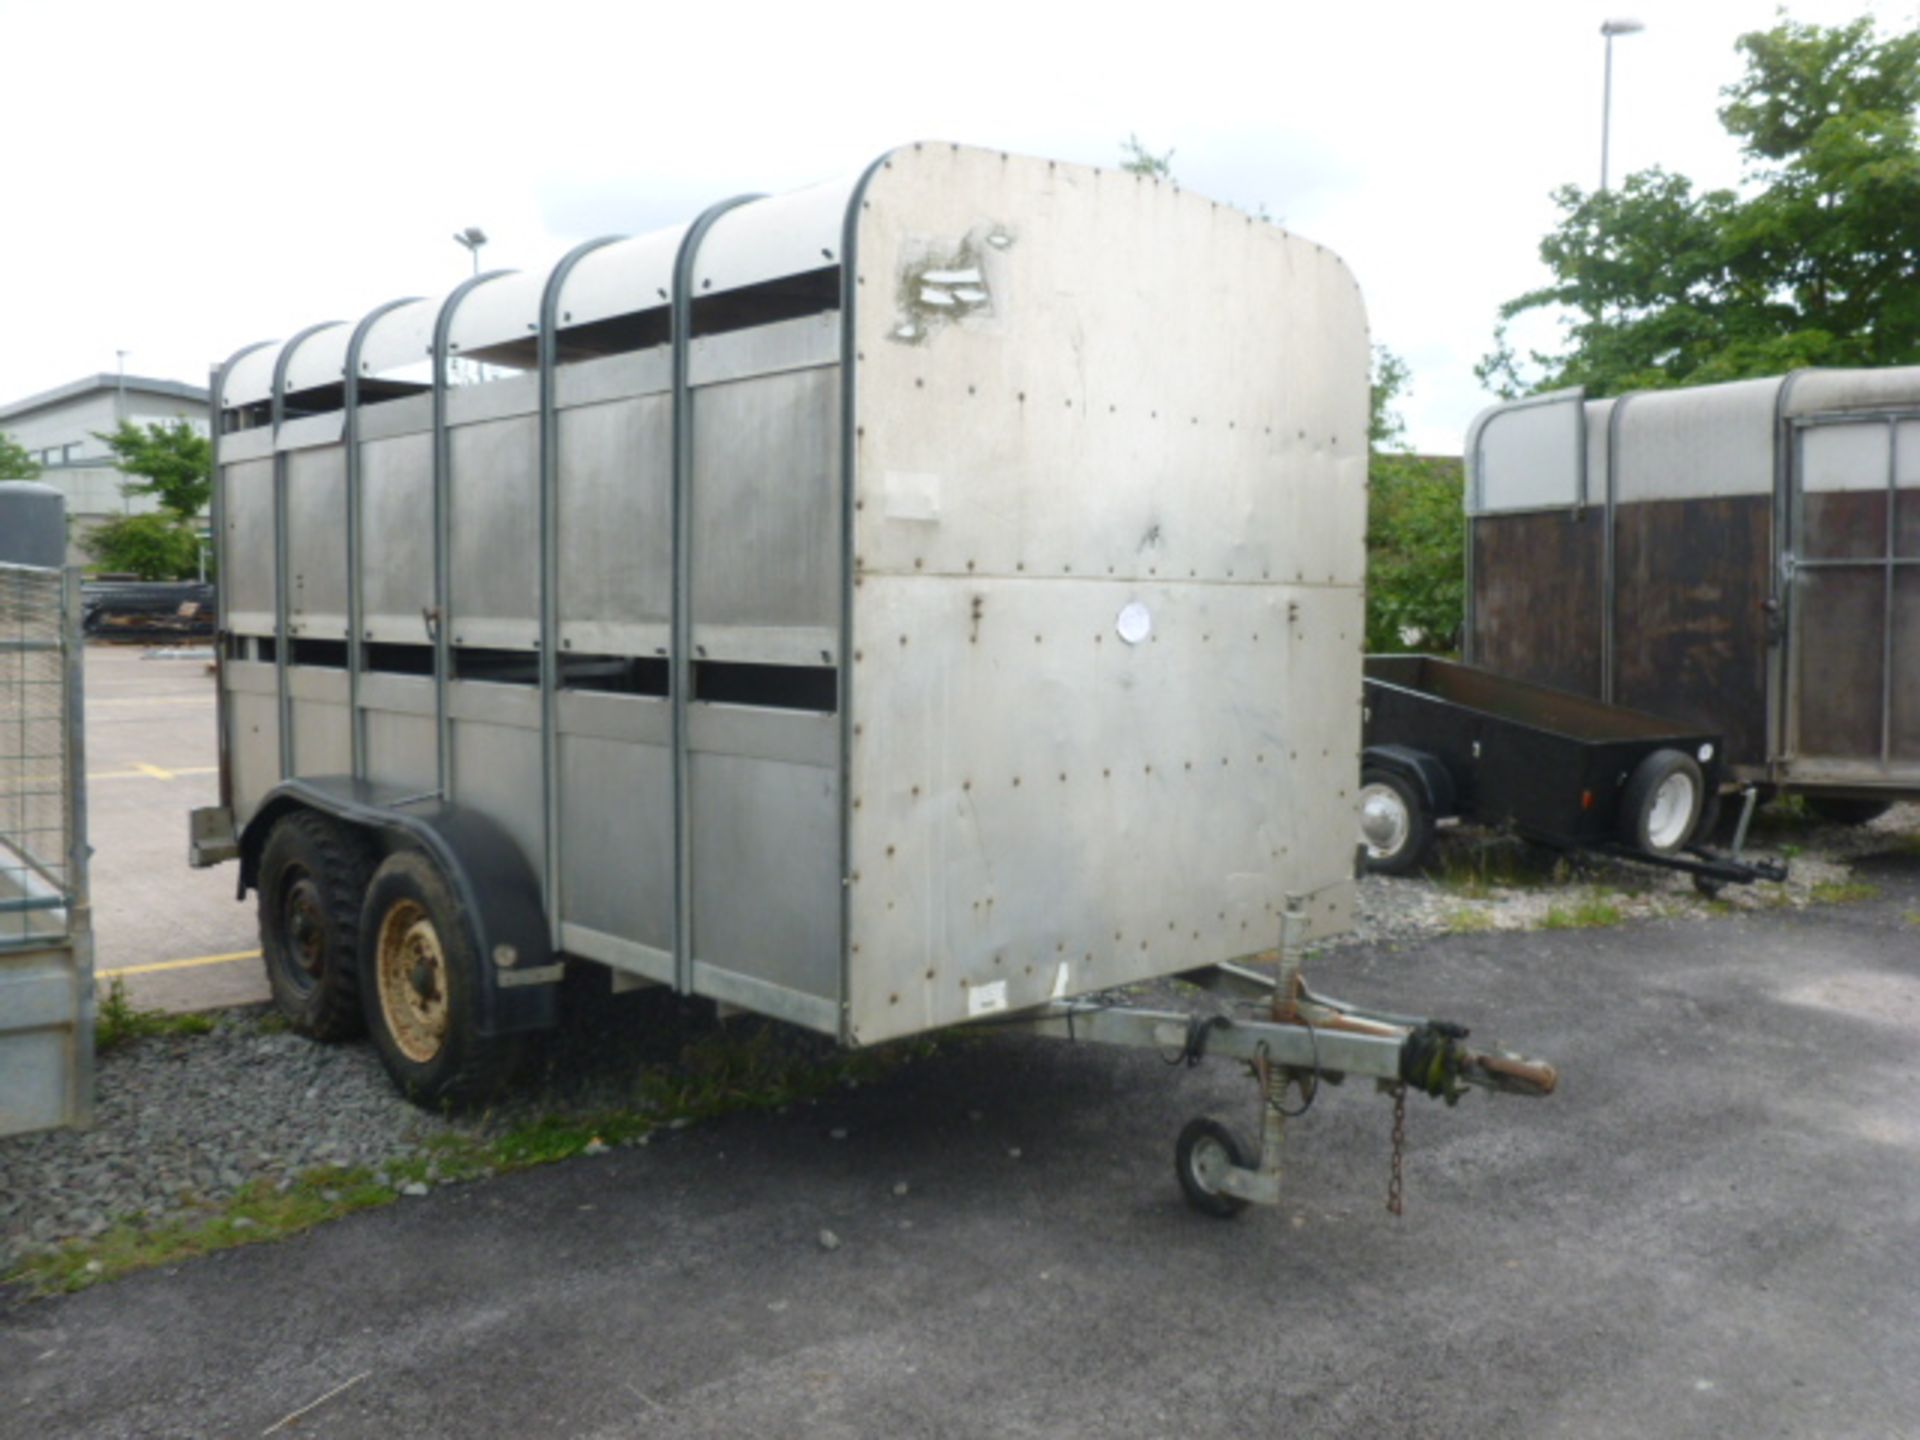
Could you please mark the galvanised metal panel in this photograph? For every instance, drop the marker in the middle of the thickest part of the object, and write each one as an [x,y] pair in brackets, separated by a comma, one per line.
[780,235]
[402,749]
[496,770]
[1110,433]
[495,559]
[1711,440]
[616,837]
[322,743]
[248,553]
[317,543]
[1825,392]
[396,536]
[616,526]
[766,519]
[766,873]
[253,741]
[1528,456]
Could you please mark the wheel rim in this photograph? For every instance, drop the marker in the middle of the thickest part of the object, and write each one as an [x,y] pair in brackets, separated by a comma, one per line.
[303,919]
[412,974]
[1671,811]
[1384,821]
[1210,1162]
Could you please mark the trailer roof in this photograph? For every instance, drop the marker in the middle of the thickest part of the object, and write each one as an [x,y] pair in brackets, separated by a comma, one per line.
[763,239]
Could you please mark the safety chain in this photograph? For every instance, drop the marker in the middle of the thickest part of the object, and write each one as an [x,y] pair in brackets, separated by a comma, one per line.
[1396,1180]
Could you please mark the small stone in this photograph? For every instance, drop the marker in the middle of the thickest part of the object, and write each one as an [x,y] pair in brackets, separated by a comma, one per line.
[595,1146]
[332,1197]
[837,1133]
[899,1189]
[241,1222]
[975,1115]
[1013,1153]
[413,1187]
[829,1240]
[94,1267]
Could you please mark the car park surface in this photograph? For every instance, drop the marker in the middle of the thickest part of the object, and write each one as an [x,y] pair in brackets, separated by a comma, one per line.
[1712,1229]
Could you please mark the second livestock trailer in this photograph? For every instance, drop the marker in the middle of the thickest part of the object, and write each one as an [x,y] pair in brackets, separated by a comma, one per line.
[930,596]
[1741,558]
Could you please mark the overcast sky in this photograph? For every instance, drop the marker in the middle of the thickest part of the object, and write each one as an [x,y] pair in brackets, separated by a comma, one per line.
[181,179]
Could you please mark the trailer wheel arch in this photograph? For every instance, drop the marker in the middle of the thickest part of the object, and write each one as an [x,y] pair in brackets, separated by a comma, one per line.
[497,888]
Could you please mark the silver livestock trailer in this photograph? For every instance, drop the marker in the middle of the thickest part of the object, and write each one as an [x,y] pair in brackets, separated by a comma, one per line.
[1743,558]
[929,597]
[46,943]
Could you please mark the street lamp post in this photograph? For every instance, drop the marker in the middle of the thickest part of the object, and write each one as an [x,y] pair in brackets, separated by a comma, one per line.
[473,237]
[1611,28]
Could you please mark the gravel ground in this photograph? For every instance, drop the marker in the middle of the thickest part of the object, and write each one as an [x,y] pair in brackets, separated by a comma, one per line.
[184,1123]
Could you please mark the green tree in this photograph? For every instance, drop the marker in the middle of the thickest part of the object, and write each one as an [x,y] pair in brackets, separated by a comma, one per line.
[1810,263]
[173,461]
[1136,159]
[150,547]
[15,463]
[1416,529]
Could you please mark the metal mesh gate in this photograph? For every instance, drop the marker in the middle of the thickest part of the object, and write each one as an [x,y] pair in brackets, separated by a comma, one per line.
[46,999]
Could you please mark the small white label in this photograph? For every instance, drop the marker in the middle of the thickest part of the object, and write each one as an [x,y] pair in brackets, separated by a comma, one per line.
[912,496]
[1134,622]
[1706,753]
[985,999]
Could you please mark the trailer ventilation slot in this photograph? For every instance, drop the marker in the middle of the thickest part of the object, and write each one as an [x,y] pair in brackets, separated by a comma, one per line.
[615,674]
[391,659]
[774,687]
[792,297]
[323,654]
[497,667]
[617,334]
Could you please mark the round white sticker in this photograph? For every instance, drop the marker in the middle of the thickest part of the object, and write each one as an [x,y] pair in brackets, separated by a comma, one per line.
[1135,622]
[1706,753]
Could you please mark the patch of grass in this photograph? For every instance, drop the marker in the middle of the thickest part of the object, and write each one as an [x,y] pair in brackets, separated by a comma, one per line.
[1596,912]
[722,1072]
[272,1022]
[1722,907]
[120,1022]
[1463,921]
[1477,871]
[1842,892]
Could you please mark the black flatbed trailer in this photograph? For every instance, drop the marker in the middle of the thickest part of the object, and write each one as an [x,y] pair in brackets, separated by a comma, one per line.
[1443,739]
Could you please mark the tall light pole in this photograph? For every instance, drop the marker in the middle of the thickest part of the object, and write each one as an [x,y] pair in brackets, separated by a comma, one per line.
[1611,28]
[473,237]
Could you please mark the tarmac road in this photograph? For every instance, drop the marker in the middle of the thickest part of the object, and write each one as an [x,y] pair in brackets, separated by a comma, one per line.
[1713,1230]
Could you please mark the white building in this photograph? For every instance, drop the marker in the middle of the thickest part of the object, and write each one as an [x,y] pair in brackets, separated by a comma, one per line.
[57,428]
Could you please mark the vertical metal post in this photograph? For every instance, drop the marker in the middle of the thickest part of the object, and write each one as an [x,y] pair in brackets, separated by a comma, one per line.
[440,617]
[1609,570]
[1606,110]
[549,352]
[356,590]
[1888,572]
[79,887]
[282,600]
[680,662]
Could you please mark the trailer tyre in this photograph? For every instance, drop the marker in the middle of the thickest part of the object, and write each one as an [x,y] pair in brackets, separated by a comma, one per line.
[313,876]
[1838,811]
[419,974]
[1396,825]
[1661,807]
[1206,1150]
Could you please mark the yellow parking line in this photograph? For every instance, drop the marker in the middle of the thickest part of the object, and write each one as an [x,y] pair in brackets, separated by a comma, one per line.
[152,772]
[189,964]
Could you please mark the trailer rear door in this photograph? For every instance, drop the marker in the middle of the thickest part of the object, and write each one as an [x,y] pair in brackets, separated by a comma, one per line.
[1853,567]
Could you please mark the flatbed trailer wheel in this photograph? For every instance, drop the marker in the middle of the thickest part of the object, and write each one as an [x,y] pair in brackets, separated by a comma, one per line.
[1205,1152]
[1396,827]
[419,973]
[1661,806]
[313,876]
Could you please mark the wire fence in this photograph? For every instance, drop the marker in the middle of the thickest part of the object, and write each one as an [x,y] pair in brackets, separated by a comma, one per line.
[37,802]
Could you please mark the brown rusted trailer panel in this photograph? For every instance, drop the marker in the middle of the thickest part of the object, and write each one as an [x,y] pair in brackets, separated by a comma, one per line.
[1742,558]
